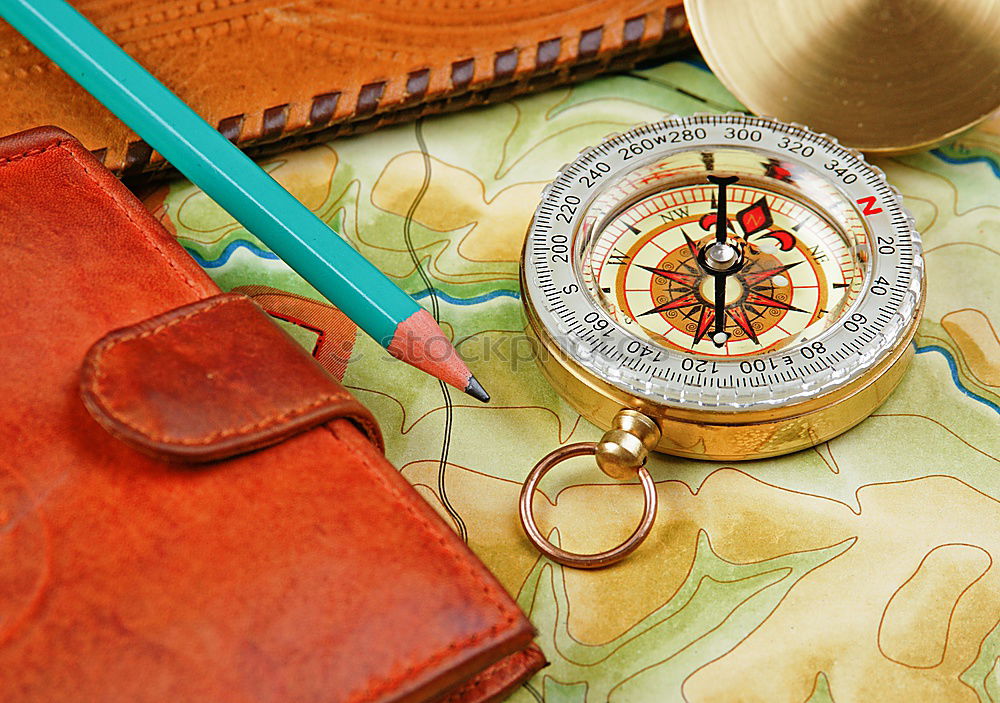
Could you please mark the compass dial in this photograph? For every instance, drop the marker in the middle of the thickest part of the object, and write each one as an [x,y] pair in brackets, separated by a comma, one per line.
[799,270]
[721,263]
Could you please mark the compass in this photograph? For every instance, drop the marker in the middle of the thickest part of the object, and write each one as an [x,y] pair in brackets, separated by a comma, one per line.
[719,287]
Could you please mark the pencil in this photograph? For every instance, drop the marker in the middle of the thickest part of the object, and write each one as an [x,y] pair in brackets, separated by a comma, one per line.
[243,189]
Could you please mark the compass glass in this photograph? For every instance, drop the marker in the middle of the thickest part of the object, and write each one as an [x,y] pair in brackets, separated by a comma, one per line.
[721,262]
[793,254]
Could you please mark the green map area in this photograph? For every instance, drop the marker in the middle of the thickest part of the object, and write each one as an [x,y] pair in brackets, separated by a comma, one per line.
[864,569]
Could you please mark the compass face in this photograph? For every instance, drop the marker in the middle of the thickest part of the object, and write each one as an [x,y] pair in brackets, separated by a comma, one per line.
[799,270]
[722,261]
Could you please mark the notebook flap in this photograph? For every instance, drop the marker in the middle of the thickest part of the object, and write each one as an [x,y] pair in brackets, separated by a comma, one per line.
[208,381]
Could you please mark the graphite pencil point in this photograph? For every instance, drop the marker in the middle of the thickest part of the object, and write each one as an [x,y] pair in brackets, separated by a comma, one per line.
[476,390]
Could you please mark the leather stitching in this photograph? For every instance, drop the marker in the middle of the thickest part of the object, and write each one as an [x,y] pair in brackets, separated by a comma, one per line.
[365,103]
[376,688]
[97,388]
[32,152]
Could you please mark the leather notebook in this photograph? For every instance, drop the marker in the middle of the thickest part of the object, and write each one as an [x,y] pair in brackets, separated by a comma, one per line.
[191,509]
[273,73]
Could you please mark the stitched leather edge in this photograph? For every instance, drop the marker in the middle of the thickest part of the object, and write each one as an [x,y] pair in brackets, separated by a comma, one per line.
[511,616]
[588,58]
[223,442]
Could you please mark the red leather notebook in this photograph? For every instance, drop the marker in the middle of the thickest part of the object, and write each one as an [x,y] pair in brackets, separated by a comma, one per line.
[190,508]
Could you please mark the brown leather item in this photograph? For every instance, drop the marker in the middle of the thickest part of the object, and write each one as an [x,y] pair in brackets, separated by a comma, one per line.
[148,404]
[297,565]
[278,72]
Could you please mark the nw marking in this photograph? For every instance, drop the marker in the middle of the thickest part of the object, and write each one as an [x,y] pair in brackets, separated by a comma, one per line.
[675,214]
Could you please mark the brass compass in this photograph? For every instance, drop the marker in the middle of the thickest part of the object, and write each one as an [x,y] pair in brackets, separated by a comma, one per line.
[718,287]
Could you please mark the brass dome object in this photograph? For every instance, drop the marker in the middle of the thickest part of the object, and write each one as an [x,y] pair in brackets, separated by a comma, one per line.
[882,76]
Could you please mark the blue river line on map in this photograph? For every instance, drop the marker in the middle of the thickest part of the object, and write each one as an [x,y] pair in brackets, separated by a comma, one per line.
[966,160]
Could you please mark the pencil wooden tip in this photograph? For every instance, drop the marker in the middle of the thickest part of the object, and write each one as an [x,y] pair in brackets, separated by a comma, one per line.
[420,342]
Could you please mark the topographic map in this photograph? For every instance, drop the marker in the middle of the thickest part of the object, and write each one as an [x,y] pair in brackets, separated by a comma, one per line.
[861,570]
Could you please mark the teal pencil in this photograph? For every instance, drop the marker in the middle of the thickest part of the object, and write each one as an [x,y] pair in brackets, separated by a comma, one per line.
[242,188]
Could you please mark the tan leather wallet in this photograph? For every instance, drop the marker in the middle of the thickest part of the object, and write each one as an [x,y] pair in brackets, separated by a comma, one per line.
[273,73]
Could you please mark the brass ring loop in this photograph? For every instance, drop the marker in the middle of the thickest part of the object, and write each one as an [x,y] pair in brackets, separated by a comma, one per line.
[583,561]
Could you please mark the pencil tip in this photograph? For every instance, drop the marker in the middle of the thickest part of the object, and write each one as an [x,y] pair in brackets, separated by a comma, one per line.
[420,342]
[476,390]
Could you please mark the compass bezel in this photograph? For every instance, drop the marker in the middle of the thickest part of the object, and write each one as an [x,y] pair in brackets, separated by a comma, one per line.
[584,331]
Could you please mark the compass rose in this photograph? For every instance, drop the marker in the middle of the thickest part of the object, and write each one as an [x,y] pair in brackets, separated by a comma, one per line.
[749,294]
[724,267]
[727,286]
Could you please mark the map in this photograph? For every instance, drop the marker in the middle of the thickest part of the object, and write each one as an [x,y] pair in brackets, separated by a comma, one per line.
[865,569]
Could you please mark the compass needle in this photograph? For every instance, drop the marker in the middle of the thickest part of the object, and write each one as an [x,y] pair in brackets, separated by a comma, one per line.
[719,300]
[720,211]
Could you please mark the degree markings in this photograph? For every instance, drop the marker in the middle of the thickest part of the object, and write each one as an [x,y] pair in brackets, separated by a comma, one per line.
[898,283]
